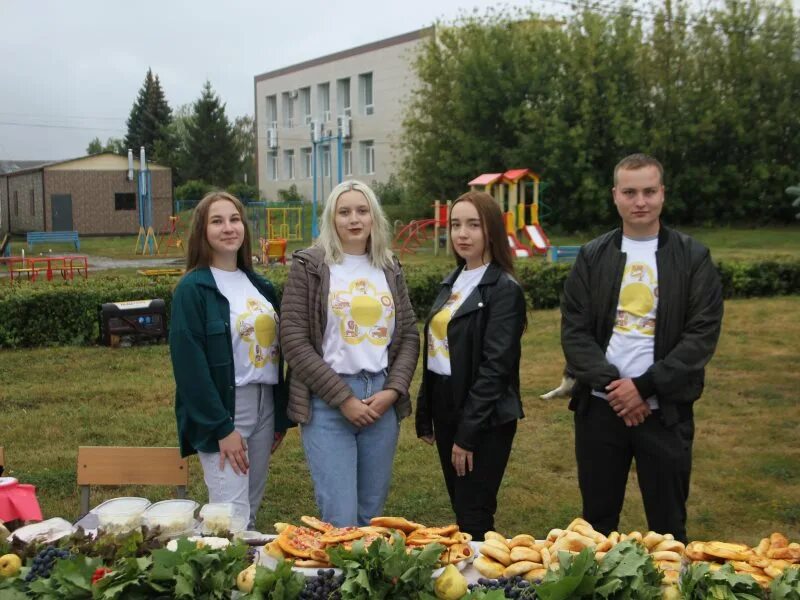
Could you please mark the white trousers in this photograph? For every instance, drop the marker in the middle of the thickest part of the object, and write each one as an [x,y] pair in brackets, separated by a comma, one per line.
[254,419]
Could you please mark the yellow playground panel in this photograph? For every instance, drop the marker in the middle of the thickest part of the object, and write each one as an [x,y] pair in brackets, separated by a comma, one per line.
[285,223]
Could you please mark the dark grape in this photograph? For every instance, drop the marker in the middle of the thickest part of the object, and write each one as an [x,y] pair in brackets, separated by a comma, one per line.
[512,587]
[43,562]
[325,586]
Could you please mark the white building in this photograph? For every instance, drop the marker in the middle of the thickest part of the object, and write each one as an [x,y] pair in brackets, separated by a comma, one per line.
[361,91]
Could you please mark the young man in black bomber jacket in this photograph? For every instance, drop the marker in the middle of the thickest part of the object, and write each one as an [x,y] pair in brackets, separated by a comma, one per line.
[641,316]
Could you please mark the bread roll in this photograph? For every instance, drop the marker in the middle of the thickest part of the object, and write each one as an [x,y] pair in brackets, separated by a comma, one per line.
[520,568]
[524,553]
[762,547]
[778,540]
[535,574]
[554,534]
[497,554]
[652,539]
[576,522]
[670,546]
[666,555]
[493,535]
[523,539]
[488,567]
[497,544]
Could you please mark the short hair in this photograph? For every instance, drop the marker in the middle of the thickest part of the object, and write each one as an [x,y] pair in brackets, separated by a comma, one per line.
[637,161]
[198,250]
[378,244]
[494,231]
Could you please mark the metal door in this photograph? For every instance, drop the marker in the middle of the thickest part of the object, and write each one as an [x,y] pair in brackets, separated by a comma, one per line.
[62,212]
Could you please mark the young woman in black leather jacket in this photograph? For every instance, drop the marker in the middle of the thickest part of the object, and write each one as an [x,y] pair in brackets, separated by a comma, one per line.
[469,400]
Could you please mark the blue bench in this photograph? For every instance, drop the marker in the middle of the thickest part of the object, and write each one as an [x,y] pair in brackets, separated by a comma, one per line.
[563,253]
[38,237]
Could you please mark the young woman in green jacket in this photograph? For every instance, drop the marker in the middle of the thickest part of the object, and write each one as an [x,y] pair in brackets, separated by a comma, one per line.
[229,399]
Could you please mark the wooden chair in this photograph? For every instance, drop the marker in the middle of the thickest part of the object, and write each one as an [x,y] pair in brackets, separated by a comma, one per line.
[118,465]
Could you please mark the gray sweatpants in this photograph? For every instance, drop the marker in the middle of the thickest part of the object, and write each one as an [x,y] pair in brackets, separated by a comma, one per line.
[254,419]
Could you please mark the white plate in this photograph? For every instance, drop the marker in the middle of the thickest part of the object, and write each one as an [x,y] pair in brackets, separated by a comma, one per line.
[459,565]
[4,481]
[265,560]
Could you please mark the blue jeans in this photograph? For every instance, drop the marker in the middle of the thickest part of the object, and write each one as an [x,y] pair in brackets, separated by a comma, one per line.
[351,467]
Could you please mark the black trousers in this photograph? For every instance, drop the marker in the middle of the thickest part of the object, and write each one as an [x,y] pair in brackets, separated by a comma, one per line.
[604,448]
[473,496]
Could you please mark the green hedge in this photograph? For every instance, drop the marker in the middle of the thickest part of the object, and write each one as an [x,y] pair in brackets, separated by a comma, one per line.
[67,312]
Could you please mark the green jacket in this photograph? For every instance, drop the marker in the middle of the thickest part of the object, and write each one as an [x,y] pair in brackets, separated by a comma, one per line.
[202,362]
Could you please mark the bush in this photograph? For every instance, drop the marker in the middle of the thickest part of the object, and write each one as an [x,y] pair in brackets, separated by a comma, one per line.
[194,189]
[67,312]
[244,191]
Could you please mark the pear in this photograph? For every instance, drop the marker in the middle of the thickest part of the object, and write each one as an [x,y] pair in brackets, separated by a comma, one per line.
[246,579]
[451,584]
[670,592]
[10,564]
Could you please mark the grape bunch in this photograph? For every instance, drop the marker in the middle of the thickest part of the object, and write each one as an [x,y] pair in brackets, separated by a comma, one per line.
[43,562]
[513,587]
[252,555]
[325,586]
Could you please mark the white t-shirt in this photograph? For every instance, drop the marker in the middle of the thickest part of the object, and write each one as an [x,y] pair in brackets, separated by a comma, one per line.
[254,329]
[630,348]
[438,348]
[360,317]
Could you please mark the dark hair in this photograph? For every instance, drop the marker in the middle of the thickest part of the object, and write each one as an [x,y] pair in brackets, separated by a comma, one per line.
[198,252]
[494,231]
[637,161]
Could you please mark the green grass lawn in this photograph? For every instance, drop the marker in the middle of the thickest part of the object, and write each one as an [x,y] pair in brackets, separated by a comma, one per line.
[745,484]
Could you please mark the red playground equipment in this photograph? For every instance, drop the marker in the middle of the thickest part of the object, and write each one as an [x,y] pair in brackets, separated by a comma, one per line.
[419,231]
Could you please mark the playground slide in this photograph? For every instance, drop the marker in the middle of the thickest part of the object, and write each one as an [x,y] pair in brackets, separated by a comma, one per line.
[519,250]
[538,239]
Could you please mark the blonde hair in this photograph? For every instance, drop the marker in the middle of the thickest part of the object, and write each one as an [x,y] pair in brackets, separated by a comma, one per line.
[378,243]
[199,252]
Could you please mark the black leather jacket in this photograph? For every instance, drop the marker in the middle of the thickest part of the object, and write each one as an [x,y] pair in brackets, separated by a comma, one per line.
[484,336]
[688,320]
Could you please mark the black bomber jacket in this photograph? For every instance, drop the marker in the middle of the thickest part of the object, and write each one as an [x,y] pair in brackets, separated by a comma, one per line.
[484,337]
[688,320]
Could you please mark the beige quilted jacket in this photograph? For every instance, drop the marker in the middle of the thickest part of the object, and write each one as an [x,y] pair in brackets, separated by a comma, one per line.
[304,313]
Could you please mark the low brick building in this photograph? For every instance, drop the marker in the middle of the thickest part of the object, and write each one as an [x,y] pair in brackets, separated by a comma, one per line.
[90,195]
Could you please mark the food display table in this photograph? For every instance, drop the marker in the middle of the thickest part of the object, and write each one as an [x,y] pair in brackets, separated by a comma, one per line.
[18,501]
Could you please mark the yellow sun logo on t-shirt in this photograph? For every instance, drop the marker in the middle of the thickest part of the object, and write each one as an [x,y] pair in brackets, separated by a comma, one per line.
[437,341]
[258,327]
[638,298]
[365,313]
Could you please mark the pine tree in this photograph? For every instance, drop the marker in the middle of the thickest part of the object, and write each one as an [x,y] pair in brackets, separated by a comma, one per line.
[150,116]
[212,154]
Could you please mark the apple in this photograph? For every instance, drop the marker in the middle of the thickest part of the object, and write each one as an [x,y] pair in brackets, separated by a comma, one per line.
[10,564]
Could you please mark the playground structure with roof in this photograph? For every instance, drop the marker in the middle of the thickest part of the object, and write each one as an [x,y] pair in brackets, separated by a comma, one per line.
[517,193]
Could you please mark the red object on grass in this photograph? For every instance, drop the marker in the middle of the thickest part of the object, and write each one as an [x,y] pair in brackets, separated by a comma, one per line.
[18,501]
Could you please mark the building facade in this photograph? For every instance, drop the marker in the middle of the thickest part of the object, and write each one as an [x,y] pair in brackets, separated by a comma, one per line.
[90,195]
[301,109]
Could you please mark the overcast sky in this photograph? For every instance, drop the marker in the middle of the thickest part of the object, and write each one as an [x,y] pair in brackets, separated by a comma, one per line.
[70,69]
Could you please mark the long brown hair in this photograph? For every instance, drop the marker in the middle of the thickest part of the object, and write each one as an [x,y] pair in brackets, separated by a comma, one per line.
[198,252]
[494,232]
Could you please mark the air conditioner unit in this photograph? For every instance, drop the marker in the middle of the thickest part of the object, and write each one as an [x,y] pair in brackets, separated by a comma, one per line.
[293,94]
[272,137]
[315,128]
[344,124]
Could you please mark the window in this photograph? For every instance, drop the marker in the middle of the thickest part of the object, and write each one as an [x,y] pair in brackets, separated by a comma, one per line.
[347,159]
[288,164]
[305,104]
[368,156]
[326,160]
[287,100]
[272,111]
[32,205]
[324,101]
[272,166]
[343,96]
[126,201]
[365,93]
[305,162]
[16,203]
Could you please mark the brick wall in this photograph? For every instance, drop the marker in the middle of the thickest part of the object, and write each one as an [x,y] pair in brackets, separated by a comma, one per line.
[93,210]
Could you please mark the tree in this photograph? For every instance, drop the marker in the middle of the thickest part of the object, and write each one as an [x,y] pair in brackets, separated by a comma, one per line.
[115,145]
[244,133]
[150,116]
[171,149]
[212,154]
